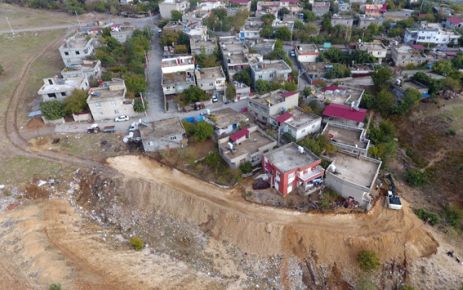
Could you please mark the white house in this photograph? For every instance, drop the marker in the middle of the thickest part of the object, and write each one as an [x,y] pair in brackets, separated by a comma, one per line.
[430,33]
[76,48]
[377,50]
[177,64]
[306,52]
[211,80]
[167,6]
[298,124]
[59,88]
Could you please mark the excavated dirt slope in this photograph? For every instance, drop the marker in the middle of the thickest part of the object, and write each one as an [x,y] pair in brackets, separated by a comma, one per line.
[265,231]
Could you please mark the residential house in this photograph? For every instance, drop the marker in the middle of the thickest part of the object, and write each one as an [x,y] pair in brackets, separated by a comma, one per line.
[211,80]
[177,74]
[403,55]
[261,46]
[430,33]
[298,124]
[320,8]
[344,7]
[198,45]
[306,53]
[246,4]
[76,48]
[353,177]
[162,135]
[122,33]
[347,139]
[312,71]
[167,6]
[236,56]
[375,49]
[209,5]
[266,106]
[344,115]
[226,121]
[91,69]
[251,29]
[292,167]
[277,23]
[108,101]
[374,10]
[270,70]
[343,20]
[453,22]
[60,88]
[242,91]
[343,95]
[365,21]
[245,145]
[272,7]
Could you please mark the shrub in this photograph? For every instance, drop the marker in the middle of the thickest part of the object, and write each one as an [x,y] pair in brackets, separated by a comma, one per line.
[137,243]
[54,286]
[368,260]
[427,216]
[246,167]
[76,102]
[191,95]
[140,106]
[199,131]
[453,216]
[416,177]
[52,110]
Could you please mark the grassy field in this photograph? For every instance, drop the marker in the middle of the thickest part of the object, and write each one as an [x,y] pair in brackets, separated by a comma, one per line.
[21,17]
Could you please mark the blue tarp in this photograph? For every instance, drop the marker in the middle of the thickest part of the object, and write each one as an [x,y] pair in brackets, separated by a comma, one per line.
[194,119]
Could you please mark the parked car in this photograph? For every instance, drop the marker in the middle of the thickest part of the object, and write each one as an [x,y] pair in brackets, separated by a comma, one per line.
[121,118]
[109,129]
[94,128]
[215,99]
[292,53]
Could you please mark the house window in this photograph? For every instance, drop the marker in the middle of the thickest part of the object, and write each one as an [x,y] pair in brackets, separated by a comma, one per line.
[52,96]
[77,52]
[63,94]
[66,53]
[173,137]
[50,82]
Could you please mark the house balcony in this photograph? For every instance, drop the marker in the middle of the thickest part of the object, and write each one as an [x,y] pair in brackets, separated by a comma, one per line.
[314,173]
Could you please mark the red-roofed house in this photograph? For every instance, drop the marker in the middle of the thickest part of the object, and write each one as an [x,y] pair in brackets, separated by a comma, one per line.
[241,3]
[283,118]
[374,10]
[341,114]
[263,108]
[454,22]
[246,145]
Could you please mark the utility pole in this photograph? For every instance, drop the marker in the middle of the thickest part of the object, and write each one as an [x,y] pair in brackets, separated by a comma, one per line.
[143,102]
[78,21]
[11,27]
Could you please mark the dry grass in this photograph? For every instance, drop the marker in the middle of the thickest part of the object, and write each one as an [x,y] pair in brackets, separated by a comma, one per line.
[21,17]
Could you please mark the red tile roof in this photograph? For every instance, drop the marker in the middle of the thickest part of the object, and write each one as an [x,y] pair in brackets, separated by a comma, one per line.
[332,88]
[345,112]
[238,135]
[283,117]
[287,94]
[455,20]
[239,1]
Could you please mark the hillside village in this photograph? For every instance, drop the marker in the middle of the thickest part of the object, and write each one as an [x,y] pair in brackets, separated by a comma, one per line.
[305,105]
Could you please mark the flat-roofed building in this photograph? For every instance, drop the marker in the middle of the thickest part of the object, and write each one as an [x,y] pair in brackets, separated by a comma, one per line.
[177,64]
[211,80]
[344,95]
[306,53]
[108,101]
[91,69]
[176,82]
[76,48]
[263,107]
[353,176]
[163,134]
[291,167]
[245,145]
[226,121]
[270,70]
[347,139]
[60,88]
[167,6]
[298,124]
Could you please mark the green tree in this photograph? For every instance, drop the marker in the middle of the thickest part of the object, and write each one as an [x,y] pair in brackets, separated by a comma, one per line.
[230,92]
[267,19]
[282,12]
[243,76]
[334,55]
[137,243]
[76,102]
[452,84]
[381,77]
[191,95]
[443,67]
[309,16]
[283,33]
[416,177]
[266,31]
[52,110]
[262,86]
[135,84]
[200,131]
[410,99]
[207,60]
[307,91]
[368,260]
[175,15]
[140,106]
[338,71]
[246,167]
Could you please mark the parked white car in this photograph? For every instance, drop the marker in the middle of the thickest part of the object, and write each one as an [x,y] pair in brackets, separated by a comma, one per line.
[121,118]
